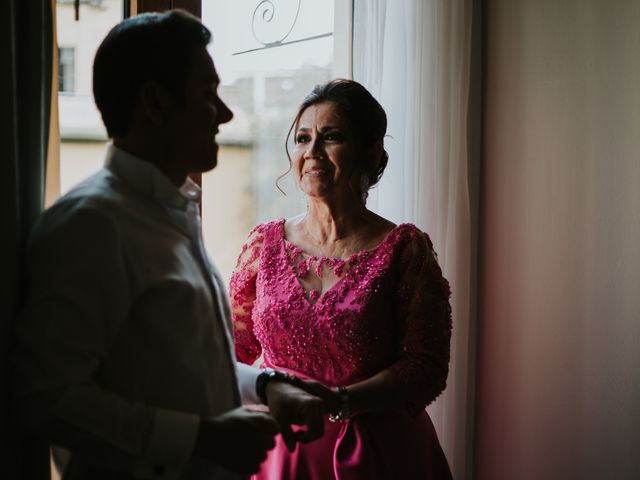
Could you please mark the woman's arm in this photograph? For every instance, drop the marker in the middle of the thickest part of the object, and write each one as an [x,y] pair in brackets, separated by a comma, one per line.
[242,293]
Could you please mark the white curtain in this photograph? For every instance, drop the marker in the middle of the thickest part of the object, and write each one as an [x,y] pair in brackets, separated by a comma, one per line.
[414,56]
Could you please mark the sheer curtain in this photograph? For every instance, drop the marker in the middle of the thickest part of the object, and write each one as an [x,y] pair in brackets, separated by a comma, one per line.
[414,56]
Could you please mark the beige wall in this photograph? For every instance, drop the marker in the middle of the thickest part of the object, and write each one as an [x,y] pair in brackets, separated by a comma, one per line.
[78,160]
[228,211]
[559,345]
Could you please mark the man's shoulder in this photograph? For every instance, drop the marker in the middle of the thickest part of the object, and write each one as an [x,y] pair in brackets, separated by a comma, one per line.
[98,196]
[101,187]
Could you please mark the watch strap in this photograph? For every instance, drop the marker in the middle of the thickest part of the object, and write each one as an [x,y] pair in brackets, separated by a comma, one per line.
[270,375]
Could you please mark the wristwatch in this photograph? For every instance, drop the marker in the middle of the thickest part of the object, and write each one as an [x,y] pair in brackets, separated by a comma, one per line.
[344,412]
[271,375]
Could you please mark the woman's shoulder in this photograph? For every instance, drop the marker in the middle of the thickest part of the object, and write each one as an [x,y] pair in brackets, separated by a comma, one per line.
[409,234]
[266,228]
[258,239]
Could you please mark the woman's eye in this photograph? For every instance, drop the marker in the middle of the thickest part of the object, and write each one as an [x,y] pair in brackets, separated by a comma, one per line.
[302,138]
[334,137]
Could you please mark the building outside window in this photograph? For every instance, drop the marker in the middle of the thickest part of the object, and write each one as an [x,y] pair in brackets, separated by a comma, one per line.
[66,69]
[83,139]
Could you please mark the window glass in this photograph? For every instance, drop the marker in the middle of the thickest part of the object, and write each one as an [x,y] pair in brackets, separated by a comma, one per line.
[83,138]
[269,54]
[66,69]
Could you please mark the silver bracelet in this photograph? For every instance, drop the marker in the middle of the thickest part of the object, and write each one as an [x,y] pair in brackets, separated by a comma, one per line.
[343,413]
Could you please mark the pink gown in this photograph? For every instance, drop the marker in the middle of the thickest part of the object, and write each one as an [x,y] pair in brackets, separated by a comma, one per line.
[389,309]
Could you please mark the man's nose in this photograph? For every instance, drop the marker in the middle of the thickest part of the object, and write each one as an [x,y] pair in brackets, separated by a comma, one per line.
[224,113]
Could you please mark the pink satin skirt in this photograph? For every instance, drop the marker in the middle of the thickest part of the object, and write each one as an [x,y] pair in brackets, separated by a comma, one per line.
[370,446]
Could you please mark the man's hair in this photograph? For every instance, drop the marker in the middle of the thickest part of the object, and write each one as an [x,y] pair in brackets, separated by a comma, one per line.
[157,47]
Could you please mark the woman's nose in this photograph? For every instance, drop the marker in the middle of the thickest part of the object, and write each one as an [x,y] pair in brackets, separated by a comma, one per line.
[313,149]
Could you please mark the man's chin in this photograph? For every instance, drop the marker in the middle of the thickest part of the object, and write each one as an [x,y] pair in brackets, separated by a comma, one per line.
[212,159]
[208,165]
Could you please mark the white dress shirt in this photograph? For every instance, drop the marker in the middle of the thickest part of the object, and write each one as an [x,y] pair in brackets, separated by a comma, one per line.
[125,340]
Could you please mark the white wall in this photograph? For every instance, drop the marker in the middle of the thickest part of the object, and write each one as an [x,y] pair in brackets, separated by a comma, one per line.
[559,344]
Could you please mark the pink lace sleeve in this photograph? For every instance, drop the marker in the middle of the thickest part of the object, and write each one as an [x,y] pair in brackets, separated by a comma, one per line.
[242,292]
[425,330]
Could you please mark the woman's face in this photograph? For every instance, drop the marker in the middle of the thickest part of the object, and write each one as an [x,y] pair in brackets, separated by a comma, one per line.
[325,153]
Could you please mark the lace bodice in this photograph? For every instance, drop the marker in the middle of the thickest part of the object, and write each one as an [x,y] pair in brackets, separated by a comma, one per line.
[388,308]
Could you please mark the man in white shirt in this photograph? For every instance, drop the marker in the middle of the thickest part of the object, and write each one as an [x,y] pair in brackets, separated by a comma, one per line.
[124,354]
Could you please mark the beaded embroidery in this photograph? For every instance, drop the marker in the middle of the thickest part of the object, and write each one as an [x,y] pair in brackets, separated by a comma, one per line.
[303,264]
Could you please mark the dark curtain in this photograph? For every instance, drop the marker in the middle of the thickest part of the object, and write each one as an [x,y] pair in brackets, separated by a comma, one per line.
[25,94]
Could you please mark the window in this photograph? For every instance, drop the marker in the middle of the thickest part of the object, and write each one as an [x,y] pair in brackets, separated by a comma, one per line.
[66,69]
[269,56]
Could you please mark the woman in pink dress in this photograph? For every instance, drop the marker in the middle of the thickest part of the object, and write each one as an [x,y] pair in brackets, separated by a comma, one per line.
[348,301]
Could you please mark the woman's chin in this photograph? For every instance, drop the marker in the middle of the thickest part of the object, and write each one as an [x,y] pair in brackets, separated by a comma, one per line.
[316,193]
[314,188]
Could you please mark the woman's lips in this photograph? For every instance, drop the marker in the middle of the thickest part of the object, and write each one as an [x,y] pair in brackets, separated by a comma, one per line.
[315,172]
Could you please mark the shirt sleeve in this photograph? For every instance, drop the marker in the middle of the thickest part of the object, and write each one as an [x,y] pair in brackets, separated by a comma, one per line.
[422,300]
[247,377]
[242,292]
[79,296]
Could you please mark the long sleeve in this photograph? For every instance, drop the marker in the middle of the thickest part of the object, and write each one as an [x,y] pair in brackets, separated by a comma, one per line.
[247,377]
[424,312]
[80,295]
[242,292]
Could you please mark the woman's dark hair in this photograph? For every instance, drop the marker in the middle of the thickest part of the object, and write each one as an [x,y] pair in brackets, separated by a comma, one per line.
[362,112]
[152,46]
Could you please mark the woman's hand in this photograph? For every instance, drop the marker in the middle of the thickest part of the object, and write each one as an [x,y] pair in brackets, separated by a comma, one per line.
[329,396]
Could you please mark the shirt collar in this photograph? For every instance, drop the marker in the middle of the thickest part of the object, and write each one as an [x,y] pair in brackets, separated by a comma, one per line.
[145,177]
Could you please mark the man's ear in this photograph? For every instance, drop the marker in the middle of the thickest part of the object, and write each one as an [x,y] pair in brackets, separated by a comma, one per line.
[156,102]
